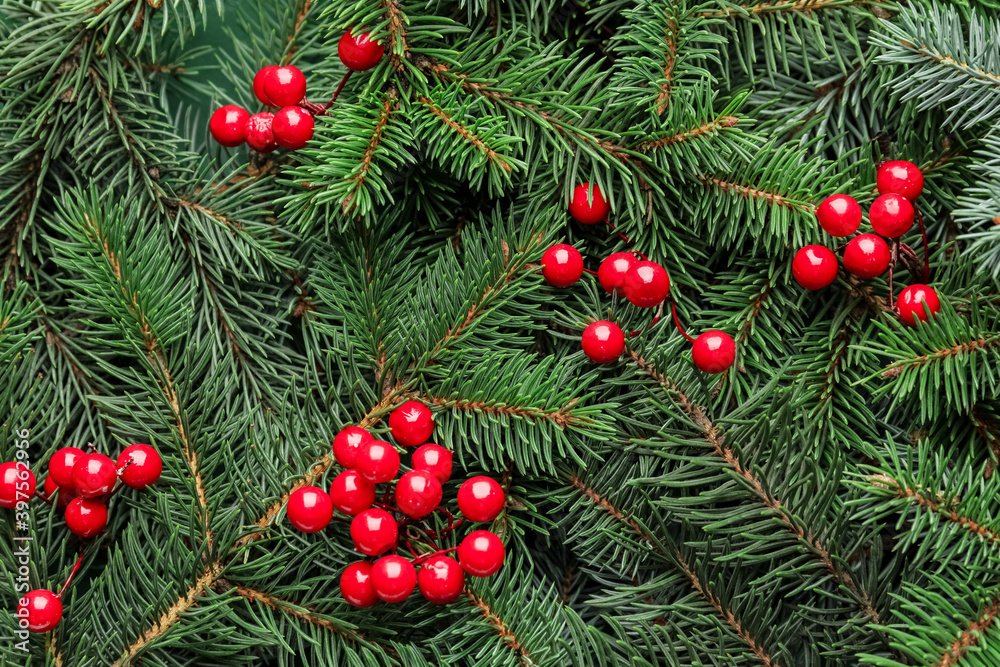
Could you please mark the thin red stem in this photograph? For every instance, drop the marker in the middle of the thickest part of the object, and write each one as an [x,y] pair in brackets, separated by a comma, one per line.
[439,552]
[923,234]
[590,271]
[43,497]
[336,93]
[673,309]
[71,575]
[626,240]
[656,318]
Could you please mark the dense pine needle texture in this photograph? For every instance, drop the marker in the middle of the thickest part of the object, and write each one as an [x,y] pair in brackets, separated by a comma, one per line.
[831,499]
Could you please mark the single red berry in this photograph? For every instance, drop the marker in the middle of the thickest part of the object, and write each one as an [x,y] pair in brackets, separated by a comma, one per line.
[41,608]
[393,578]
[309,509]
[910,304]
[603,342]
[292,127]
[866,256]
[145,468]
[441,579]
[612,271]
[258,84]
[374,532]
[839,215]
[646,284]
[285,86]
[348,442]
[815,267]
[900,177]
[17,483]
[481,499]
[66,493]
[562,265]
[411,423]
[358,52]
[891,215]
[260,136]
[481,553]
[351,493]
[588,213]
[378,461]
[86,517]
[356,585]
[61,465]
[418,493]
[713,352]
[435,459]
[229,125]
[94,475]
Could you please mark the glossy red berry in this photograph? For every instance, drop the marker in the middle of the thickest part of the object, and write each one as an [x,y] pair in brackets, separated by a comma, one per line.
[358,52]
[229,125]
[285,86]
[815,267]
[356,585]
[17,483]
[144,469]
[258,84]
[378,461]
[411,423]
[603,342]
[292,127]
[348,442]
[86,517]
[374,532]
[866,256]
[309,509]
[481,553]
[900,177]
[562,265]
[260,136]
[480,499]
[42,609]
[713,352]
[611,273]
[646,284]
[588,213]
[910,304]
[441,579]
[393,578]
[61,465]
[418,493]
[66,494]
[839,215]
[891,215]
[435,459]
[94,475]
[351,493]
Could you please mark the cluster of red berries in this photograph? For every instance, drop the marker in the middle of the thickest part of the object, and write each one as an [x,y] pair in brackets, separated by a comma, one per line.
[891,215]
[376,526]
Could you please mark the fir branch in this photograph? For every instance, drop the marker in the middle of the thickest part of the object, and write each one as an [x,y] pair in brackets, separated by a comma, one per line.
[506,634]
[303,613]
[291,46]
[804,7]
[389,106]
[53,650]
[669,60]
[748,192]
[562,417]
[971,636]
[898,368]
[465,133]
[756,306]
[688,135]
[184,203]
[397,33]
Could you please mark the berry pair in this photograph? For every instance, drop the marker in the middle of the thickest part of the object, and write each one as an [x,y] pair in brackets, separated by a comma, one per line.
[290,127]
[712,351]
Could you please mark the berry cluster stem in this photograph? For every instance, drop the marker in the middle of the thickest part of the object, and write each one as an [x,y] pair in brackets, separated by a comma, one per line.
[72,574]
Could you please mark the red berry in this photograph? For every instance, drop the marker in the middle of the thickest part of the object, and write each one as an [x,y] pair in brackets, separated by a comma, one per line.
[481,553]
[910,304]
[839,215]
[646,284]
[603,342]
[378,461]
[891,215]
[258,84]
[309,509]
[66,494]
[815,267]
[42,609]
[348,442]
[356,585]
[61,465]
[411,423]
[260,136]
[900,177]
[374,532]
[292,127]
[393,578]
[94,475]
[713,352]
[480,499]
[418,493]
[145,468]
[351,493]
[441,579]
[229,125]
[612,271]
[17,483]
[866,256]
[86,517]
[588,213]
[285,86]
[358,52]
[435,459]
[562,265]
